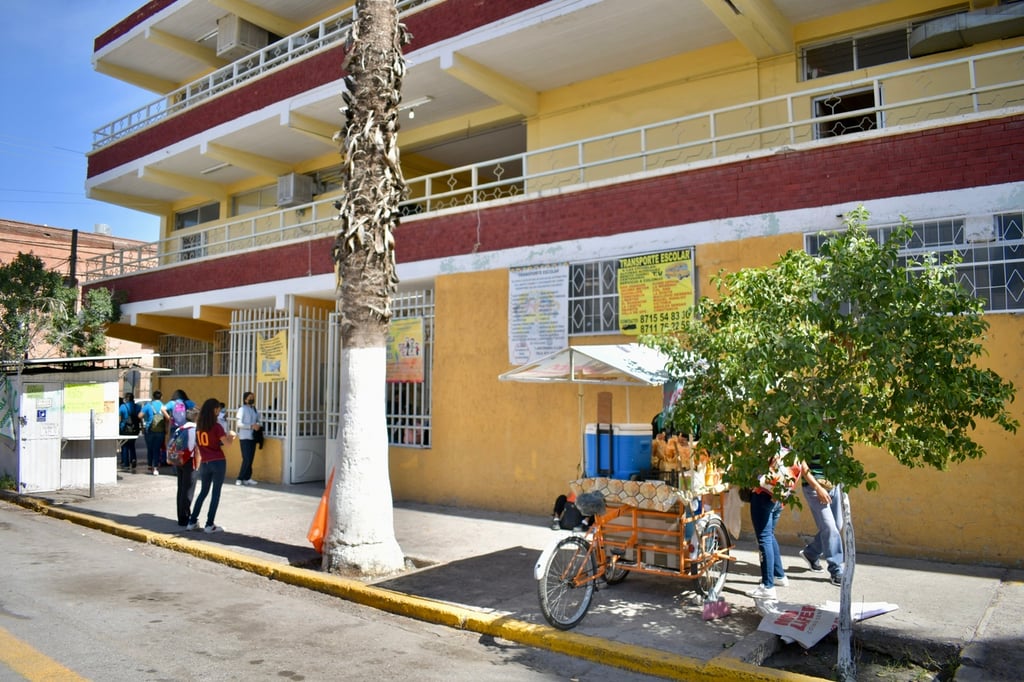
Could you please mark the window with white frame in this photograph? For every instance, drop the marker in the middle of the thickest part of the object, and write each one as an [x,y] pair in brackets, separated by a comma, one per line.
[991,246]
[409,403]
[865,49]
[184,356]
[593,297]
[254,200]
[197,216]
[856,52]
[192,246]
[846,113]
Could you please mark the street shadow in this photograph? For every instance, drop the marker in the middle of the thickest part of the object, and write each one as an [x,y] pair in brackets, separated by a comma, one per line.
[503,581]
[295,555]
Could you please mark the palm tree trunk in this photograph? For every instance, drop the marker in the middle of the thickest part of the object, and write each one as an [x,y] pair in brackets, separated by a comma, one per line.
[360,532]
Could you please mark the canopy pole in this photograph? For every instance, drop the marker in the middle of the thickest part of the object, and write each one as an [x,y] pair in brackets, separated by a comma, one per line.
[581,465]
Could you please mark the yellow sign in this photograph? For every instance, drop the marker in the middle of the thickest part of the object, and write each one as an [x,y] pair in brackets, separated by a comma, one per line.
[405,350]
[83,397]
[655,291]
[272,357]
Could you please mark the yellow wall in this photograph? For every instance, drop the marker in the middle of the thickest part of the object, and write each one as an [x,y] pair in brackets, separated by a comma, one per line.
[498,445]
[268,466]
[513,446]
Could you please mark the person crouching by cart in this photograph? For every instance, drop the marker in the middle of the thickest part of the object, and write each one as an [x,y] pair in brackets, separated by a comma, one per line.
[765,510]
[566,516]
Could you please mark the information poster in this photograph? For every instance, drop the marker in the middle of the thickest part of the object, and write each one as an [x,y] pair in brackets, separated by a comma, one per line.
[81,398]
[272,357]
[538,317]
[405,351]
[656,291]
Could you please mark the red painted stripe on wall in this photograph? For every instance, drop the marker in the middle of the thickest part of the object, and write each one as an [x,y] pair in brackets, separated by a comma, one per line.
[969,155]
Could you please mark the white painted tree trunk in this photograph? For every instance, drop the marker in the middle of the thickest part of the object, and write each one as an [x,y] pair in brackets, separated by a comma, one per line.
[363,534]
[360,532]
[846,667]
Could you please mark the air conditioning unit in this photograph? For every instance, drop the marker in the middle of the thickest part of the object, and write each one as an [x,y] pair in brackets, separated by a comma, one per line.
[237,37]
[294,189]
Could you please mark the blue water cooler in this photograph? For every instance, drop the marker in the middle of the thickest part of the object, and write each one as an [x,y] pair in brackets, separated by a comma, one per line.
[617,450]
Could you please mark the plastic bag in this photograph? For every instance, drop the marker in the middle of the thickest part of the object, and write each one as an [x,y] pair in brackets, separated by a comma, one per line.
[318,528]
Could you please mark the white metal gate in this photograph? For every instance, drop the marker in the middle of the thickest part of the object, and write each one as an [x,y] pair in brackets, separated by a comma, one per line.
[291,409]
[408,404]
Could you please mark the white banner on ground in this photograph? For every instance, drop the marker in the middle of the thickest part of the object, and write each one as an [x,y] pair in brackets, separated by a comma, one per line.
[808,624]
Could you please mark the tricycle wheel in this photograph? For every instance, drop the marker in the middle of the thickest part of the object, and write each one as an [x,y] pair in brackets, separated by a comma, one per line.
[713,558]
[614,574]
[567,585]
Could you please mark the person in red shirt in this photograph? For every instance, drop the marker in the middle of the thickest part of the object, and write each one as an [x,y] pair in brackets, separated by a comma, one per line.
[211,439]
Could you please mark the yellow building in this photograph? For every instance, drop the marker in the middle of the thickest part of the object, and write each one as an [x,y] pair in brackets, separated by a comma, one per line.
[544,143]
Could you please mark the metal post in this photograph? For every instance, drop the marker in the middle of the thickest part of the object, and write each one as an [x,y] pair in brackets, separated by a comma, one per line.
[92,453]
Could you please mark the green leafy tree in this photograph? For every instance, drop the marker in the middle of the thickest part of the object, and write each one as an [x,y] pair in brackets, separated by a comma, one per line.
[82,333]
[37,308]
[854,346]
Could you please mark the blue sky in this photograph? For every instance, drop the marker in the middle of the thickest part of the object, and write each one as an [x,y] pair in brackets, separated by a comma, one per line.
[53,101]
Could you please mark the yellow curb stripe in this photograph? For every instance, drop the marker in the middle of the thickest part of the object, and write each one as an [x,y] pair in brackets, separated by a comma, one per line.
[32,664]
[606,652]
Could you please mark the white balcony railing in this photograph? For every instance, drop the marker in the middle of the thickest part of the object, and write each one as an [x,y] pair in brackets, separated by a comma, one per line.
[949,91]
[309,39]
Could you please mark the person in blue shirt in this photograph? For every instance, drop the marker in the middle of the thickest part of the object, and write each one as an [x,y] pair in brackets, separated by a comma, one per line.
[129,430]
[155,427]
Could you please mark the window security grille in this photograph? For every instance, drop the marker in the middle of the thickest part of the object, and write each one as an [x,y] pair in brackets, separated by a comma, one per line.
[185,357]
[992,249]
[409,404]
[593,298]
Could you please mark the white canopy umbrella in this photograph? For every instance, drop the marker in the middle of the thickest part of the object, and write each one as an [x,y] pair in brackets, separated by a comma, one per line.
[610,365]
[617,365]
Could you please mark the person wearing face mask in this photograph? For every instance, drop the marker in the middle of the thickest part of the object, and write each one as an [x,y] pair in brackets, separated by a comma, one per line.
[247,423]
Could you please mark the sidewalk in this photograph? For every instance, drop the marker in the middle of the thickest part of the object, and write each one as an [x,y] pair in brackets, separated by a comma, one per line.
[476,570]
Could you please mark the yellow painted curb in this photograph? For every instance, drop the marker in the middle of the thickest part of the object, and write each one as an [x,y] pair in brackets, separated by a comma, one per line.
[606,652]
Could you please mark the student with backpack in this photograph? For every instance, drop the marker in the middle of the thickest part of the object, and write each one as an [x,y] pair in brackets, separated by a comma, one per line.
[152,416]
[174,416]
[129,428]
[181,454]
[211,439]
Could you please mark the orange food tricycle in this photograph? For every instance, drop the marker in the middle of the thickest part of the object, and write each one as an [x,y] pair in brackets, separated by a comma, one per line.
[672,529]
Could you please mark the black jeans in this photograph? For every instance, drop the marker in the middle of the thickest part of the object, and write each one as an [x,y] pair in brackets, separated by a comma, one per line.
[248,447]
[186,486]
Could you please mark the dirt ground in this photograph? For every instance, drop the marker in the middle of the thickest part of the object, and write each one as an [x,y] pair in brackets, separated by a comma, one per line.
[820,660]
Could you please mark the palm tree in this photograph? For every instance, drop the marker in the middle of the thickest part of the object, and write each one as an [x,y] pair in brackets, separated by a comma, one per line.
[360,531]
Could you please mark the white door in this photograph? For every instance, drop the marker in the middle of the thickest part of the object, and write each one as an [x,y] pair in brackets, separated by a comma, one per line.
[41,405]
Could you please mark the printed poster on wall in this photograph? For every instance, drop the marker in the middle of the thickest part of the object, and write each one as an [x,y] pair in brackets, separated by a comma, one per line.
[405,351]
[656,291]
[538,312]
[272,357]
[82,398]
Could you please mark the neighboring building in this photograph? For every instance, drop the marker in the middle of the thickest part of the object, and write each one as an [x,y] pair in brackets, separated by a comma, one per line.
[545,143]
[64,251]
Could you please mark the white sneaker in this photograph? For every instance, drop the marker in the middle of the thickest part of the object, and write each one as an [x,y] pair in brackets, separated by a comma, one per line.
[762,592]
[782,582]
[156,472]
[250,482]
[213,529]
[238,481]
[192,526]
